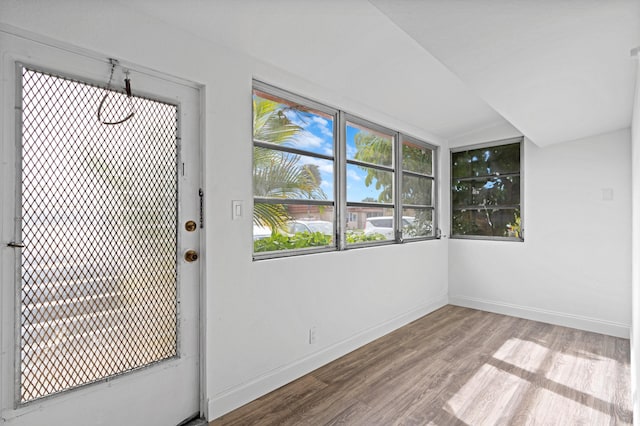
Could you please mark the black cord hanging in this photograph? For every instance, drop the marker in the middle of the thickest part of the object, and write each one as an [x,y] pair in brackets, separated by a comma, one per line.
[127,84]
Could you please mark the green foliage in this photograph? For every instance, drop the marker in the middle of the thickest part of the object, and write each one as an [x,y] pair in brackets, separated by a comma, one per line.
[299,240]
[484,179]
[417,159]
[359,237]
[515,228]
[489,161]
[422,225]
[270,124]
[371,148]
[279,174]
[375,149]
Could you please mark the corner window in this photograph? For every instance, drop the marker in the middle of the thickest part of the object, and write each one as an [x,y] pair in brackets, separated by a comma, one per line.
[486,191]
[325,180]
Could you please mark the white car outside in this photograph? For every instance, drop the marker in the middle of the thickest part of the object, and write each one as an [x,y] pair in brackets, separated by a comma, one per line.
[383,225]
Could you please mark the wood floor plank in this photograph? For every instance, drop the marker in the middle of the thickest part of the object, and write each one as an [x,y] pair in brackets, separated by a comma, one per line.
[459,366]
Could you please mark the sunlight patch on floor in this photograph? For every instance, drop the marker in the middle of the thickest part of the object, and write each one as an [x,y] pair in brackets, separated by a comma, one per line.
[523,354]
[488,398]
[587,373]
[527,383]
[546,405]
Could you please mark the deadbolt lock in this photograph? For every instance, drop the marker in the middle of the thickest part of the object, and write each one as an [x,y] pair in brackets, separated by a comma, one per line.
[190,226]
[191,256]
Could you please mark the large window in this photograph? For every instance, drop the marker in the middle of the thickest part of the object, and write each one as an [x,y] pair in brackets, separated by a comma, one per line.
[293,173]
[486,191]
[417,189]
[370,177]
[325,180]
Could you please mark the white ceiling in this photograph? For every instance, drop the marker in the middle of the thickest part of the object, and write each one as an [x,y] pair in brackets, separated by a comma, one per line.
[346,45]
[557,70]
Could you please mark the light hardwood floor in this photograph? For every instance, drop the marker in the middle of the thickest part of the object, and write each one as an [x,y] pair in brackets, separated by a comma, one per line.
[460,366]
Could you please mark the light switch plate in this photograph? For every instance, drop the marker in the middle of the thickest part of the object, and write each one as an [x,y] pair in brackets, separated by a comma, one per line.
[236,209]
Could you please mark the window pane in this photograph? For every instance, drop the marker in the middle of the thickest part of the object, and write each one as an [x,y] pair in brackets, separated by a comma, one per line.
[487,161]
[369,146]
[417,190]
[298,227]
[487,222]
[285,175]
[417,159]
[370,224]
[461,164]
[504,159]
[365,184]
[490,192]
[417,223]
[479,162]
[285,123]
[485,199]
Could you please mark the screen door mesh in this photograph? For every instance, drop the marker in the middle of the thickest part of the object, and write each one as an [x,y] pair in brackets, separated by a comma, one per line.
[99,206]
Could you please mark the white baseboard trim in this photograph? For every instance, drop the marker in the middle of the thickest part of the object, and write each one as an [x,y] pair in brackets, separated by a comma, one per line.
[551,317]
[237,396]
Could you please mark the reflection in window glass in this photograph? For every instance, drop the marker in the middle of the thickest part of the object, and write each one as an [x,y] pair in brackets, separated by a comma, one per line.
[485,192]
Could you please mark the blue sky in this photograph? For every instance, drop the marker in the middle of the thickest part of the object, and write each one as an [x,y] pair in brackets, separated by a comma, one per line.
[317,137]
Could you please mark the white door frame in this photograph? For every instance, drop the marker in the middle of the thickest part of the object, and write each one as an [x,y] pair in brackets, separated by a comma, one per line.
[50,55]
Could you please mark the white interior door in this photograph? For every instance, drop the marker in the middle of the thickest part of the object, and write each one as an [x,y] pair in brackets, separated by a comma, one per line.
[100,239]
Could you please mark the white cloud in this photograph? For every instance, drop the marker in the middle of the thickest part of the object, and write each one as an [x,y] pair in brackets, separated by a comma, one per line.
[353,175]
[294,117]
[324,166]
[323,125]
[351,151]
[320,121]
[308,140]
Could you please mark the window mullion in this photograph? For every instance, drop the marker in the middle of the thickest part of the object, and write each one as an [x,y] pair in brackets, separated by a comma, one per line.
[341,181]
[375,214]
[397,148]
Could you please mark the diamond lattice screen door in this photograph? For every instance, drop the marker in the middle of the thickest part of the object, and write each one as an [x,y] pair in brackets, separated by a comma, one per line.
[105,298]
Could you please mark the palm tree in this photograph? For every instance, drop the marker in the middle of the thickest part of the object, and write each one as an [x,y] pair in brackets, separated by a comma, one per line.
[278,174]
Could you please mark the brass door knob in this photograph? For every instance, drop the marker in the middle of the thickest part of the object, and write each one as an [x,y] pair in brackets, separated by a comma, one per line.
[190,226]
[191,256]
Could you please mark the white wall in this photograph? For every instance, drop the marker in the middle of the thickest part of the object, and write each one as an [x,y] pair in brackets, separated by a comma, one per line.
[635,253]
[257,313]
[574,266]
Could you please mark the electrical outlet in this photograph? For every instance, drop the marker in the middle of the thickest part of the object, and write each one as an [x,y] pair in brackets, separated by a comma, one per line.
[312,335]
